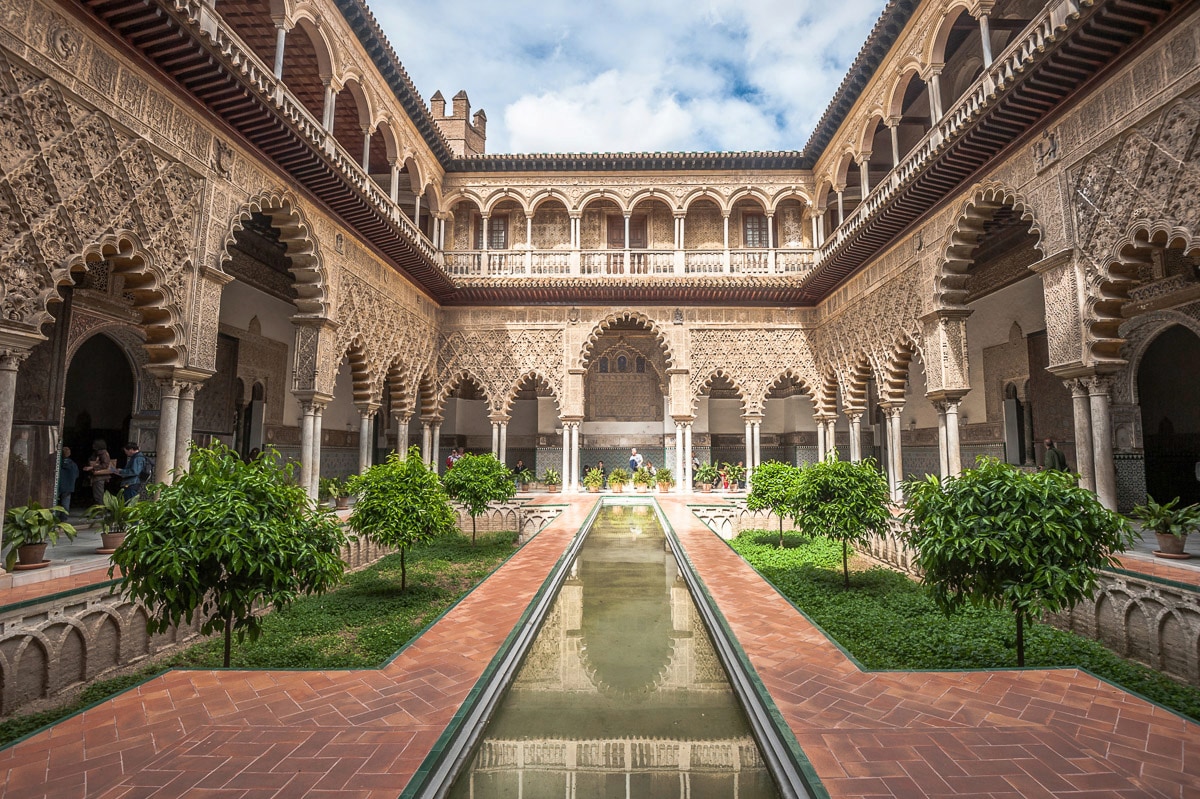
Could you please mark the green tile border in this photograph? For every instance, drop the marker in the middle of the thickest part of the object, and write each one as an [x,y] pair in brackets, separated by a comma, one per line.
[808,777]
[458,739]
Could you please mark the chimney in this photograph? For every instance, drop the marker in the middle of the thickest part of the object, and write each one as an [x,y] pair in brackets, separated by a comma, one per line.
[437,105]
[462,106]
[465,134]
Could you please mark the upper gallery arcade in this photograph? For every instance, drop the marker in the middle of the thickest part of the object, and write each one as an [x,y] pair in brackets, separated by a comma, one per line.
[239,220]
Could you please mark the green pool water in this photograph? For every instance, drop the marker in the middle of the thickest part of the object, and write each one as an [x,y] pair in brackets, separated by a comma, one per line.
[621,693]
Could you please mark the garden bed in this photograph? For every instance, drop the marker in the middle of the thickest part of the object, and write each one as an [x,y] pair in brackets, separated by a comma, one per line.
[886,620]
[360,624]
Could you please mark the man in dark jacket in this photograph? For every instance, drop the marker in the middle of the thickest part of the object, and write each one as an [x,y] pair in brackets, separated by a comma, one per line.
[131,475]
[1053,459]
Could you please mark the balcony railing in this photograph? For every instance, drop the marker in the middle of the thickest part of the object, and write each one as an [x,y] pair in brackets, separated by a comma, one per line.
[627,263]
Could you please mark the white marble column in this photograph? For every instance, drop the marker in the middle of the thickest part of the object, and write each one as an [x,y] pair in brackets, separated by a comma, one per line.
[895,455]
[1084,463]
[426,442]
[943,457]
[10,362]
[820,439]
[687,455]
[314,484]
[503,456]
[831,438]
[364,438]
[749,456]
[679,484]
[306,442]
[496,438]
[183,427]
[855,420]
[953,447]
[1102,449]
[567,485]
[436,447]
[985,35]
[757,453]
[575,457]
[402,436]
[168,418]
[280,41]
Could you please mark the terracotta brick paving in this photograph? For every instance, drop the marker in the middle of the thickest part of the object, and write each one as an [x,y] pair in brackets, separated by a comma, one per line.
[245,734]
[19,593]
[1059,733]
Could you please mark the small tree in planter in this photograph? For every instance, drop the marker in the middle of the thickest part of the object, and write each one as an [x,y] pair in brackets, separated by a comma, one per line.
[1026,541]
[665,479]
[1171,525]
[773,487]
[115,514]
[552,480]
[477,481]
[225,538]
[617,479]
[593,481]
[28,530]
[706,475]
[642,479]
[842,500]
[401,503]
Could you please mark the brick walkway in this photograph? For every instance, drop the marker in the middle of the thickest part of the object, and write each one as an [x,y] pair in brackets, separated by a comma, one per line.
[243,734]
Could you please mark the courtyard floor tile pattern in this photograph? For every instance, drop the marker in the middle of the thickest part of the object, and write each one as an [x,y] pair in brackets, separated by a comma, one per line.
[363,733]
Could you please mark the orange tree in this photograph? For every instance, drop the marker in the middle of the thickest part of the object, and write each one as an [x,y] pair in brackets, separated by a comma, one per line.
[401,503]
[477,481]
[226,537]
[1026,541]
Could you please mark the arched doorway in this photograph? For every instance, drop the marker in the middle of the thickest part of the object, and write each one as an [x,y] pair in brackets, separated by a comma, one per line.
[1171,415]
[98,403]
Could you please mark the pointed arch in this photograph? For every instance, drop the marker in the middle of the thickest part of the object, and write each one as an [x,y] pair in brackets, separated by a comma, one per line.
[301,246]
[607,322]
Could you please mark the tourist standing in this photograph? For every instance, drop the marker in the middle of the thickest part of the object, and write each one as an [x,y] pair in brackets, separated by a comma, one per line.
[1053,459]
[133,476]
[68,477]
[100,467]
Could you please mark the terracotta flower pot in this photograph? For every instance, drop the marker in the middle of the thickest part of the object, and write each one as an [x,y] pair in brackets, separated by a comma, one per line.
[593,489]
[109,542]
[664,488]
[706,488]
[31,556]
[1171,546]
[341,503]
[553,489]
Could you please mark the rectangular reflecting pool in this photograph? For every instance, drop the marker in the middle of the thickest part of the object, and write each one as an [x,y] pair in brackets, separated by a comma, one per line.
[621,694]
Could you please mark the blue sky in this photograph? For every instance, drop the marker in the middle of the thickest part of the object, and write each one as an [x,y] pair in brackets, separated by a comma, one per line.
[632,74]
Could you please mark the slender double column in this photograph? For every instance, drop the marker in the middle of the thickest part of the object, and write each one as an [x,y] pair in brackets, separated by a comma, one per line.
[1099,388]
[895,464]
[10,362]
[366,414]
[1083,433]
[949,446]
[679,483]
[854,417]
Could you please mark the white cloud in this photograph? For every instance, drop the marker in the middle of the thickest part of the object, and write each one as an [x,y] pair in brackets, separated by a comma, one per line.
[632,75]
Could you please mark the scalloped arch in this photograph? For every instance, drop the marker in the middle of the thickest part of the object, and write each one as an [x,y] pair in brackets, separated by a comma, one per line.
[604,324]
[296,233]
[743,393]
[162,319]
[536,375]
[951,282]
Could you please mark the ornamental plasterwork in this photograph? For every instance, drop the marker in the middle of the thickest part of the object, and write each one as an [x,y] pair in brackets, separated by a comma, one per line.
[388,334]
[1145,184]
[500,360]
[73,185]
[752,360]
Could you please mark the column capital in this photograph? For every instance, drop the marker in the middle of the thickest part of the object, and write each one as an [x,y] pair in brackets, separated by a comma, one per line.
[752,418]
[499,418]
[367,408]
[684,419]
[854,414]
[1098,384]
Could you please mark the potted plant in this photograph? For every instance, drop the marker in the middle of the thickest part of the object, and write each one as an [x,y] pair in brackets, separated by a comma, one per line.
[735,474]
[617,479]
[28,529]
[593,481]
[665,479]
[524,476]
[114,515]
[642,479]
[1170,524]
[552,480]
[706,475]
[336,489]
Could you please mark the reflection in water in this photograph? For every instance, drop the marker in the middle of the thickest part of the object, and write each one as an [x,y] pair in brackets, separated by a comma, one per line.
[621,693]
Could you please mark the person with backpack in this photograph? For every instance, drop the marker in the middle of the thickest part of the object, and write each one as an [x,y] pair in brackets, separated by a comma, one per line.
[136,471]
